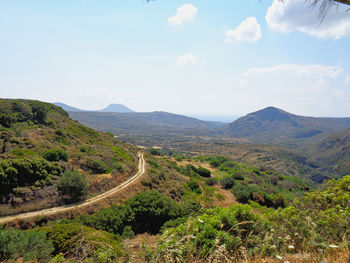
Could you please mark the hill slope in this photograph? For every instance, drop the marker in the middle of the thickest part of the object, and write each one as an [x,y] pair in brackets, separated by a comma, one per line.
[333,151]
[272,125]
[144,123]
[39,143]
[66,107]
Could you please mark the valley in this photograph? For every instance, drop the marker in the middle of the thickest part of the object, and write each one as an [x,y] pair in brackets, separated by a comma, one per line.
[175,172]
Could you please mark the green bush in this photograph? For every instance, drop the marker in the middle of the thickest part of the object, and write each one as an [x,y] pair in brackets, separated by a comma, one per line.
[194,187]
[55,155]
[227,182]
[73,186]
[211,181]
[215,230]
[97,166]
[155,152]
[30,246]
[145,212]
[203,172]
[128,233]
[81,242]
[26,172]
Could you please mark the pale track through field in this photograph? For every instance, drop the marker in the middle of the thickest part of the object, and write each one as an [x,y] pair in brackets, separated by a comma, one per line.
[60,209]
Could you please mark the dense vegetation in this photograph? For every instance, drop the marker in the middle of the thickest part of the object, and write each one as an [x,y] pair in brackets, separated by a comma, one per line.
[28,245]
[39,144]
[316,224]
[146,212]
[247,183]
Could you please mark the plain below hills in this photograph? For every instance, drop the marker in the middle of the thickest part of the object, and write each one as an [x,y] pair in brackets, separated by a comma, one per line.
[157,123]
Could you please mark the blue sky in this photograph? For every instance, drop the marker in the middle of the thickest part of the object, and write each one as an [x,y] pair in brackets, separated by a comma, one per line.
[189,57]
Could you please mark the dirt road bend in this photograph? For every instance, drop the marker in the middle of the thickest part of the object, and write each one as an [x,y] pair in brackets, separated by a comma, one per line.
[59,209]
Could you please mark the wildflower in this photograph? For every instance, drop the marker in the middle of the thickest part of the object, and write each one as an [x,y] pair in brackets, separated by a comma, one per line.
[200,220]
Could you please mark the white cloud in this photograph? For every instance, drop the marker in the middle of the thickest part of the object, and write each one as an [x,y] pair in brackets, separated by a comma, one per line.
[347,80]
[296,15]
[301,89]
[188,58]
[248,31]
[183,14]
[304,71]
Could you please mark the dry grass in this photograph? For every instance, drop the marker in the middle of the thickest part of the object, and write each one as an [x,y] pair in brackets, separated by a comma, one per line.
[340,256]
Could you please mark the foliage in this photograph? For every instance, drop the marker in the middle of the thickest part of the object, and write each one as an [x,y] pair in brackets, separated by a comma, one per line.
[155,152]
[73,185]
[203,172]
[26,172]
[97,166]
[29,245]
[211,181]
[81,242]
[145,212]
[55,155]
[315,224]
[227,182]
[201,236]
[194,187]
[123,154]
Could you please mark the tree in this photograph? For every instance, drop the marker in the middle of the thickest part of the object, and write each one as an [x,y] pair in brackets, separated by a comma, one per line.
[73,185]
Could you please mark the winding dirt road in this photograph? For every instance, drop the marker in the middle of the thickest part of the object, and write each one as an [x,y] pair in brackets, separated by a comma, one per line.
[54,210]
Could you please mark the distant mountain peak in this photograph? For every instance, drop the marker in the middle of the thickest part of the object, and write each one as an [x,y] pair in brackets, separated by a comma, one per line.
[117,108]
[271,114]
[66,107]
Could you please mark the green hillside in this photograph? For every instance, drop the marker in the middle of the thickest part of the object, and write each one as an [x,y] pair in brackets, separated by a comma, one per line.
[275,126]
[334,152]
[40,144]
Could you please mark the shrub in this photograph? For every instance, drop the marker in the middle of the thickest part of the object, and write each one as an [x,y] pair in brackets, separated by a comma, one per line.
[26,172]
[194,187]
[128,233]
[221,229]
[238,176]
[30,246]
[203,172]
[227,182]
[55,155]
[81,242]
[73,186]
[155,152]
[211,181]
[97,166]
[242,193]
[145,212]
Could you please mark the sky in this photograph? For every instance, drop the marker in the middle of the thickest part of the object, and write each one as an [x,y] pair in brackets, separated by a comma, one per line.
[200,58]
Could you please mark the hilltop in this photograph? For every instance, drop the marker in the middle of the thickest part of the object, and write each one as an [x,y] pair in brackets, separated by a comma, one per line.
[39,144]
[275,126]
[109,108]
[116,108]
